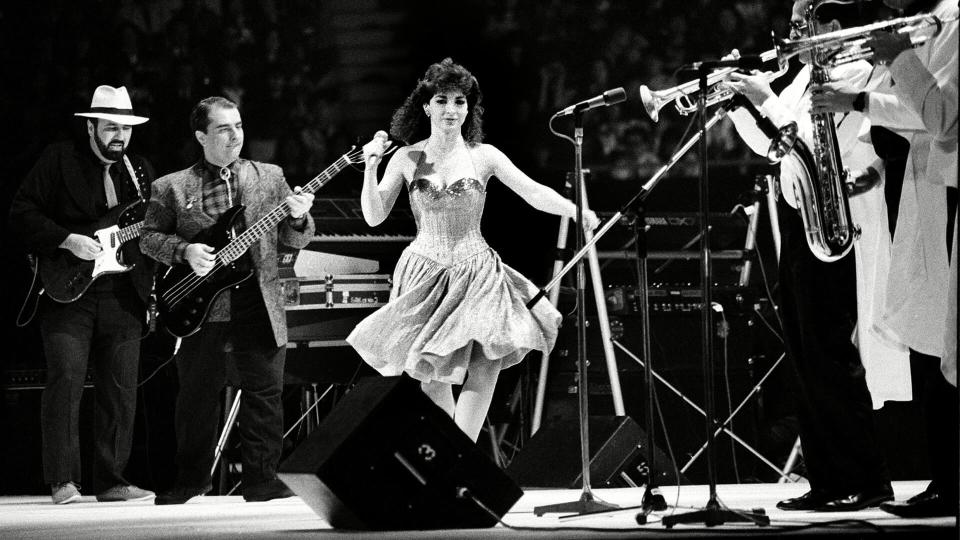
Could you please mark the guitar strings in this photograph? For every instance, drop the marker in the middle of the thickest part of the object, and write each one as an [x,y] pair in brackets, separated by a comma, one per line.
[188,283]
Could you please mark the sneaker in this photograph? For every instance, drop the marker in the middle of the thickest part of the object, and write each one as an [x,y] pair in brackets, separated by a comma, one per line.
[64,493]
[266,491]
[122,492]
[181,494]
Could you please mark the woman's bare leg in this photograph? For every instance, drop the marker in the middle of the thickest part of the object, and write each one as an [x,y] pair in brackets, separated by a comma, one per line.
[476,395]
[440,393]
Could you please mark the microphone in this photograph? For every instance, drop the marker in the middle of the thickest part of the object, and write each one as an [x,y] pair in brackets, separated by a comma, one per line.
[375,158]
[610,97]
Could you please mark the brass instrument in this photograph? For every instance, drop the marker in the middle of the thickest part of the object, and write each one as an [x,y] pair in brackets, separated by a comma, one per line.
[821,193]
[782,140]
[847,45]
[684,95]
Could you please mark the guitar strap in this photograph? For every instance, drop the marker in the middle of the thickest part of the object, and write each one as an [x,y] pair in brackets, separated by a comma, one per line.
[133,176]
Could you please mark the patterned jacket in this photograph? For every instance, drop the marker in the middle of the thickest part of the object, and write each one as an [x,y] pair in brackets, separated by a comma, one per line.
[175,217]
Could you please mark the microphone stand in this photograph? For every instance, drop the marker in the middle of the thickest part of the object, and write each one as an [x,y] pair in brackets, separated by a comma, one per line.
[636,200]
[587,504]
[652,501]
[712,514]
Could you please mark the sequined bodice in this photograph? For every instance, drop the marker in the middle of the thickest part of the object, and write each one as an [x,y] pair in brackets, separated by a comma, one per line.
[448,219]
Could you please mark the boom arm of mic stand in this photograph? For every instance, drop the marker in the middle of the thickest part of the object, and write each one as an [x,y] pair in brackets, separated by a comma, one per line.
[638,198]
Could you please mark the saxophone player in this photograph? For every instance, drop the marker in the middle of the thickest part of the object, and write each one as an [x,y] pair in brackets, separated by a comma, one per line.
[919,100]
[819,300]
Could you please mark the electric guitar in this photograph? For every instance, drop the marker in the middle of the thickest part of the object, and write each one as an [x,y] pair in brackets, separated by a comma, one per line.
[184,299]
[66,277]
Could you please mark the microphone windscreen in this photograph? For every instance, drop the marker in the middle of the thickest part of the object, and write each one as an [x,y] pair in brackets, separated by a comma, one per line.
[615,95]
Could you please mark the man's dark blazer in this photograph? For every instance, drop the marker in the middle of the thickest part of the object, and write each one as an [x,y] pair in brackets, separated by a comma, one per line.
[64,194]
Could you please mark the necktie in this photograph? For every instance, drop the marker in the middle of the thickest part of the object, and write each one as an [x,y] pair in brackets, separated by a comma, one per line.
[108,188]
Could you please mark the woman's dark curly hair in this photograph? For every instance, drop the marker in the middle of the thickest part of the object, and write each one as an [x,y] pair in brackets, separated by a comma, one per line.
[409,122]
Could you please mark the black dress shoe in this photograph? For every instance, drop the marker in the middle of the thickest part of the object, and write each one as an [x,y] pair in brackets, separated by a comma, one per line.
[266,491]
[923,505]
[867,498]
[810,500]
[181,494]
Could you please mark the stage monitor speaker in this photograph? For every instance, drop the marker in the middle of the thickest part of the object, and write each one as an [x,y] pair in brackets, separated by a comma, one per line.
[551,458]
[387,458]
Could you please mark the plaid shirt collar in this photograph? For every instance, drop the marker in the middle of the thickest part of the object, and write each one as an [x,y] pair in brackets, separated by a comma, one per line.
[211,172]
[217,197]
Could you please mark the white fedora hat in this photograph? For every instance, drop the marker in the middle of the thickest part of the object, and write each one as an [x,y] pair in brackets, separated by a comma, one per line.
[112,104]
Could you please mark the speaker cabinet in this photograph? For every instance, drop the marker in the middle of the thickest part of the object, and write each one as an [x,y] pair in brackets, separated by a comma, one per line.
[387,458]
[618,457]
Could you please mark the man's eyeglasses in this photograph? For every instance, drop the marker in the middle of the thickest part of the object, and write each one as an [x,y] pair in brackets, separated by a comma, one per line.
[798,29]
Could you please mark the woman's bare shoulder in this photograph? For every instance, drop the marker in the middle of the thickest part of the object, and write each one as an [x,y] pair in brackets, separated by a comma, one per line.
[409,153]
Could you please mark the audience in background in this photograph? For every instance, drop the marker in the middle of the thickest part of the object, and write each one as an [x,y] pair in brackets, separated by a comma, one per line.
[278,61]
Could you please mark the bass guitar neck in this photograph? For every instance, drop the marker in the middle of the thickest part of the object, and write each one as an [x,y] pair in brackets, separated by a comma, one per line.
[184,299]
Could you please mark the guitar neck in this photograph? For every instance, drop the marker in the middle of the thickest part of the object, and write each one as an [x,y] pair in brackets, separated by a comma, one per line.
[239,245]
[129,233]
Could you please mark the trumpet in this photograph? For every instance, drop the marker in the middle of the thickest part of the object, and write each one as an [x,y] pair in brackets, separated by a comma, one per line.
[683,95]
[848,45]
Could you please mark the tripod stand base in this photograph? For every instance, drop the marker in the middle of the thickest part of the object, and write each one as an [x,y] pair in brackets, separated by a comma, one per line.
[586,505]
[653,501]
[712,515]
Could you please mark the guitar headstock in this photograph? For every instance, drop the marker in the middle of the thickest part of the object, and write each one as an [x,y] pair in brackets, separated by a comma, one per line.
[355,155]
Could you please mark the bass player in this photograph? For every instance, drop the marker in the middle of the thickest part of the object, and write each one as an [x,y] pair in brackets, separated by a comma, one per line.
[246,323]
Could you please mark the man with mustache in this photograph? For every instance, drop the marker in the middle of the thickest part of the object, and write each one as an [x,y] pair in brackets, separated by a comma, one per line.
[63,199]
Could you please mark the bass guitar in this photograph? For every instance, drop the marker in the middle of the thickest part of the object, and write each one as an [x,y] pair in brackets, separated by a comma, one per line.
[65,277]
[184,299]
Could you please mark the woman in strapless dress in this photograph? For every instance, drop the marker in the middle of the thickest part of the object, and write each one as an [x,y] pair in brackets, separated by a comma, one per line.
[457,314]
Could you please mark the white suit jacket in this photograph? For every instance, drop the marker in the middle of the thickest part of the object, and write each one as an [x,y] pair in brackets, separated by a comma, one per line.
[921,103]
[887,364]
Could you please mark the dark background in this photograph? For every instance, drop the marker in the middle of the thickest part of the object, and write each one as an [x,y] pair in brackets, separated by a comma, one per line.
[313,77]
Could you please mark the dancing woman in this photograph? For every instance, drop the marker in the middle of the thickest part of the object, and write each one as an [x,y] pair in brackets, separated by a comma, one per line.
[457,314]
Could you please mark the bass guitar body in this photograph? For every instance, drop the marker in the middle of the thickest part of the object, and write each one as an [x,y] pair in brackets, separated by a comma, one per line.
[183,298]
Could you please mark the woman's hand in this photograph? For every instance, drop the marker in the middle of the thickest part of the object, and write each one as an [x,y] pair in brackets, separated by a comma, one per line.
[373,151]
[590,220]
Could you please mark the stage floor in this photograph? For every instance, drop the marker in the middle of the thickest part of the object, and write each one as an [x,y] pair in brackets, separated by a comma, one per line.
[222,517]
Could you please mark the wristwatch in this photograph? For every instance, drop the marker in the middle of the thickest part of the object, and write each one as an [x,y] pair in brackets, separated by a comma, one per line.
[860,102]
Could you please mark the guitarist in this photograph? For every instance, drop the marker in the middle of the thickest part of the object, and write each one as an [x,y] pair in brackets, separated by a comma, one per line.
[70,189]
[246,324]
